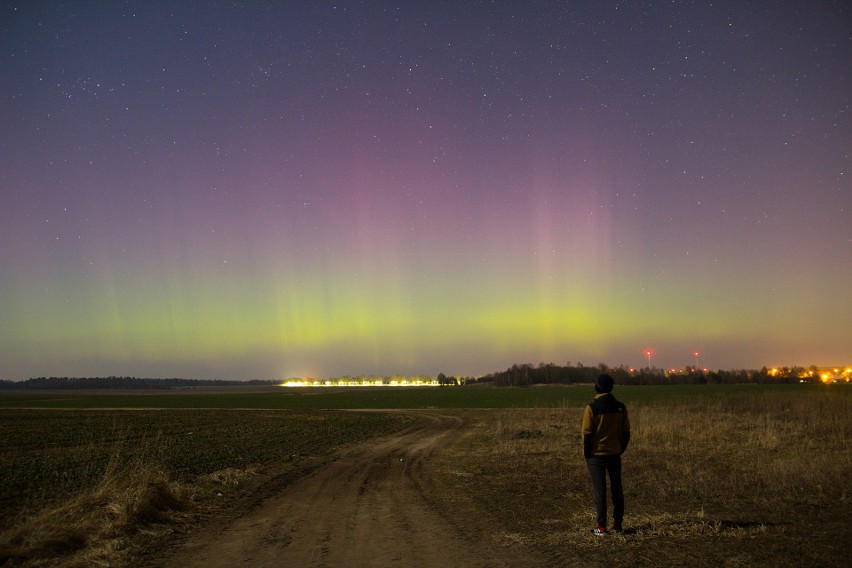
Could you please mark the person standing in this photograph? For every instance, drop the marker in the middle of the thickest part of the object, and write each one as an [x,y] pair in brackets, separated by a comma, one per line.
[606,433]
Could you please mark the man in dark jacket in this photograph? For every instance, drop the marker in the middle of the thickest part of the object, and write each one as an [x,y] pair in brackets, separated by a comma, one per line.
[606,433]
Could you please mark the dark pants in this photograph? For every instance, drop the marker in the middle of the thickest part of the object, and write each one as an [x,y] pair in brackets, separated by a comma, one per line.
[599,466]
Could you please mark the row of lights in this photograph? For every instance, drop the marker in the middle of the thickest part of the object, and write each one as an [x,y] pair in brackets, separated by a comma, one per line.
[351,383]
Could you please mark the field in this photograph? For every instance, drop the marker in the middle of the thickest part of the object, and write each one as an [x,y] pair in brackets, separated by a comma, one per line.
[715,475]
[757,479]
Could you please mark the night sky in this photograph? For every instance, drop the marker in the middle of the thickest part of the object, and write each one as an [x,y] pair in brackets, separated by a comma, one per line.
[258,190]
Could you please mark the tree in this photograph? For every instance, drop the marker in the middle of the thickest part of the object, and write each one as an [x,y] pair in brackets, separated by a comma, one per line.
[443,380]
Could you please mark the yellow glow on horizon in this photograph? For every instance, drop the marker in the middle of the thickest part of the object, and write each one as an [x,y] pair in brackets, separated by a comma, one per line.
[309,383]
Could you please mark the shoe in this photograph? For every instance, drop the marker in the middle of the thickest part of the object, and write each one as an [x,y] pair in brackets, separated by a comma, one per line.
[600,531]
[617,528]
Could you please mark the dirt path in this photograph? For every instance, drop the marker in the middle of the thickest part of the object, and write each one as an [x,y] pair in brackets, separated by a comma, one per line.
[374,505]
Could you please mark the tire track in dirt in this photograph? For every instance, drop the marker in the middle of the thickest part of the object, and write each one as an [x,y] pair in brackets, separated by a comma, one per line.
[370,506]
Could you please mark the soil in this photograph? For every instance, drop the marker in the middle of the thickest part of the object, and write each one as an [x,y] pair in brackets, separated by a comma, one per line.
[375,504]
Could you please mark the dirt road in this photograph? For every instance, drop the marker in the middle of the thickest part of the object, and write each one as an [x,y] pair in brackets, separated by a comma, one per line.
[373,505]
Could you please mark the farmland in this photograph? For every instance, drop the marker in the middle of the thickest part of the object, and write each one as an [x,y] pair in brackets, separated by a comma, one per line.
[271,398]
[47,455]
[715,474]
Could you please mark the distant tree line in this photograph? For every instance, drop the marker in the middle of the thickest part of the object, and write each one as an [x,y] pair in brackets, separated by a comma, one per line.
[79,383]
[549,373]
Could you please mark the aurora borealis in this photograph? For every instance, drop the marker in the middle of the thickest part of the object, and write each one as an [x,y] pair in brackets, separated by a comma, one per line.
[272,189]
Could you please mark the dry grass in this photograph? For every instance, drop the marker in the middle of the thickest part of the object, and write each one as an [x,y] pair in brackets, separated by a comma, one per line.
[759,480]
[109,524]
[94,527]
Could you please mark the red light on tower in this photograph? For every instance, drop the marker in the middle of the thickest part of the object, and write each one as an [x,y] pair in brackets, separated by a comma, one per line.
[648,355]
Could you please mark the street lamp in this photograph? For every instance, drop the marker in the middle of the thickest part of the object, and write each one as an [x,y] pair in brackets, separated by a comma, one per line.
[695,355]
[648,355]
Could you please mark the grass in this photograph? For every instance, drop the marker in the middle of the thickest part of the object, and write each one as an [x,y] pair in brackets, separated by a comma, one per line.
[481,396]
[750,480]
[94,527]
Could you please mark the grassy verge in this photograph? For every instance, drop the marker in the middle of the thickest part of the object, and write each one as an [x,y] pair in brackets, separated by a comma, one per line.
[757,480]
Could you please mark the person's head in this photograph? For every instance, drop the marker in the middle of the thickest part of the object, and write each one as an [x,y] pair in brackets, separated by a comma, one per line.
[603,383]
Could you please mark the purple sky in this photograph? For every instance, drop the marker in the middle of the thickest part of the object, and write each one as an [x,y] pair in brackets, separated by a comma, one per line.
[273,189]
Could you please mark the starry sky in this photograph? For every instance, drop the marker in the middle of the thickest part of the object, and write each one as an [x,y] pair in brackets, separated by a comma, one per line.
[262,190]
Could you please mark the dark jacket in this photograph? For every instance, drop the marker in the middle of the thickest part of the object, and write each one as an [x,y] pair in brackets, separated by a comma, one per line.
[606,428]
